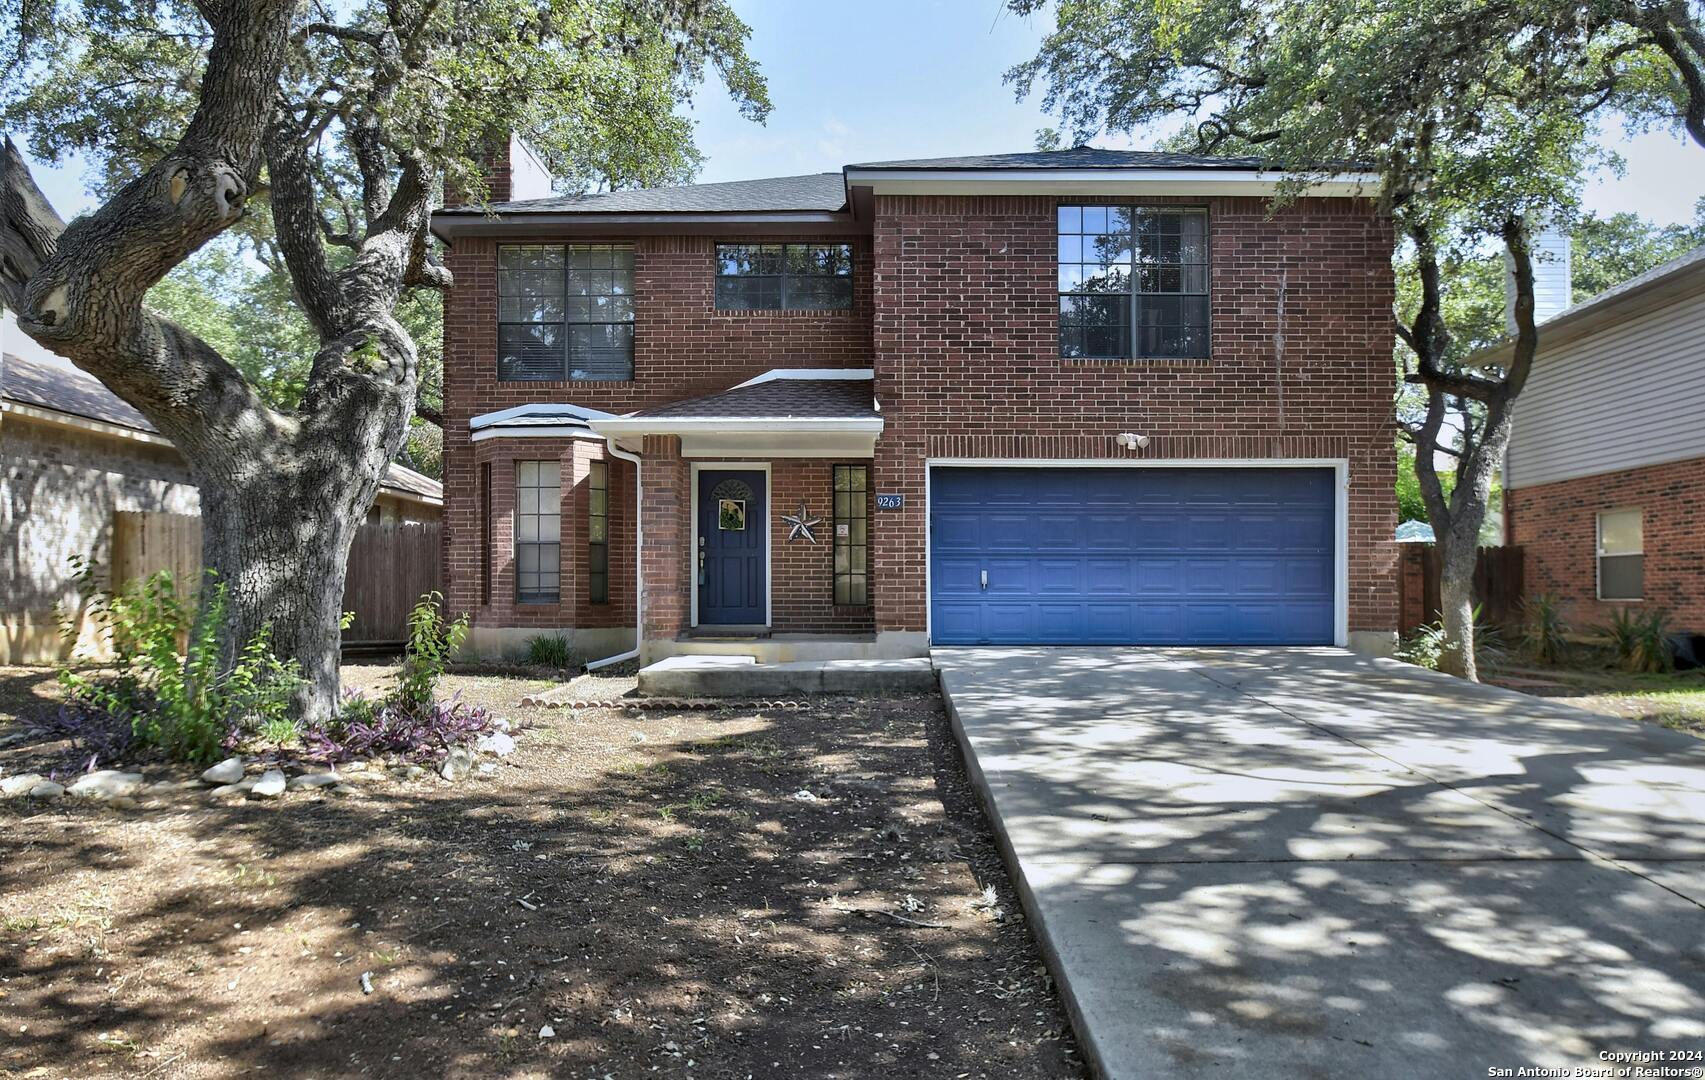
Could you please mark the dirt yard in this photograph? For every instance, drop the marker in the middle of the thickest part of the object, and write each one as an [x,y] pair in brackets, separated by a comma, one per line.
[1675,700]
[656,889]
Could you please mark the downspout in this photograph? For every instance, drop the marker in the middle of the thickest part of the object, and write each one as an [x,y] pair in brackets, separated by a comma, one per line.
[638,558]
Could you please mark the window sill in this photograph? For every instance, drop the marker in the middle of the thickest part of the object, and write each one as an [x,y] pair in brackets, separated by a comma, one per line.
[564,383]
[791,313]
[1144,361]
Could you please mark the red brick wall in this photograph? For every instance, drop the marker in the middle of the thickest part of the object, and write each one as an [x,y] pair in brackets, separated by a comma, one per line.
[683,347]
[803,593]
[968,365]
[1557,527]
[467,561]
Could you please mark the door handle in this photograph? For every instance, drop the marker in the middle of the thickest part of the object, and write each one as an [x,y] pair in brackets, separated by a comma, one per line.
[701,560]
[985,579]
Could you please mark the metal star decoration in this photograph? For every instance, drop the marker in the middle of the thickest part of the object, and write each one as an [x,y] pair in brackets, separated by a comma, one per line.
[801,524]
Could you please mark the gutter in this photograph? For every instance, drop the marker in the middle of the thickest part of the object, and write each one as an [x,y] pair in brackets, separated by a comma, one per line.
[638,558]
[667,425]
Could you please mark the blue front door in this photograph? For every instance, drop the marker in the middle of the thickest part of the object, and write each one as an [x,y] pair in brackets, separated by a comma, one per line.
[733,524]
[1131,556]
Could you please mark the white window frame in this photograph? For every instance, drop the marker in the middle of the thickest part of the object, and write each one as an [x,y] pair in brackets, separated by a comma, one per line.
[1599,554]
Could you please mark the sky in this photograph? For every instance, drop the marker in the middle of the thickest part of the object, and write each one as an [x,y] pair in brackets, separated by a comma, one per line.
[887,79]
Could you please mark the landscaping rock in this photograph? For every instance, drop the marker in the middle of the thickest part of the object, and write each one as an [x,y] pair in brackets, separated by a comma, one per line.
[457,765]
[12,738]
[228,771]
[269,786]
[47,789]
[487,770]
[314,780]
[241,787]
[20,784]
[498,744]
[106,784]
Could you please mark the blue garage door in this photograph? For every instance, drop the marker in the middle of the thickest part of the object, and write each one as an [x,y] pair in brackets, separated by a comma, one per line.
[1139,556]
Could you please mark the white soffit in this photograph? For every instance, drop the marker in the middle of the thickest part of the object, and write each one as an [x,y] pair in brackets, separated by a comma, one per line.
[1134,182]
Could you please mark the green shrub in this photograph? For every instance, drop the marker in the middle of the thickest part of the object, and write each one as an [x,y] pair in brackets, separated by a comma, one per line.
[1543,629]
[1640,640]
[426,656]
[181,703]
[549,650]
[1426,646]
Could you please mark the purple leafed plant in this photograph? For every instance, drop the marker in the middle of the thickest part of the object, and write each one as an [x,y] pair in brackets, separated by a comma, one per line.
[423,733]
[97,736]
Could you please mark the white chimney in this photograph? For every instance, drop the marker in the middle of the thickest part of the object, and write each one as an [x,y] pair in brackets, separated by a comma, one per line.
[1551,289]
[528,177]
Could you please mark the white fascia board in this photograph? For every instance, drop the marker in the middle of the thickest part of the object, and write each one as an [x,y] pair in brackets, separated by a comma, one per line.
[541,431]
[533,410]
[1200,182]
[639,425]
[83,423]
[809,373]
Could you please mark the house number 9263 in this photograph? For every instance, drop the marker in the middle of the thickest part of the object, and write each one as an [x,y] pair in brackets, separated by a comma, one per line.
[890,502]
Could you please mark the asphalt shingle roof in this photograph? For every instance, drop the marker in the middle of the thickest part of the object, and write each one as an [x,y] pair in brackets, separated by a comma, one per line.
[1635,283]
[65,389]
[1078,157]
[824,399]
[817,191]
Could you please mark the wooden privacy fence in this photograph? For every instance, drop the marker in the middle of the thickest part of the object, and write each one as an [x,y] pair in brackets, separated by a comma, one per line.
[1497,586]
[390,566]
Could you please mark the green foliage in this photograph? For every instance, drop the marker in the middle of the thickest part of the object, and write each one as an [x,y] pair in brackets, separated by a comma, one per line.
[1609,250]
[187,704]
[1544,633]
[432,643]
[1428,645]
[1639,640]
[549,650]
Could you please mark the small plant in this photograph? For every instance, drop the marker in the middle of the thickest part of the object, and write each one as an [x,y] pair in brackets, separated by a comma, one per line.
[426,656]
[392,728]
[549,650]
[1640,640]
[1427,645]
[97,737]
[1543,629]
[184,704]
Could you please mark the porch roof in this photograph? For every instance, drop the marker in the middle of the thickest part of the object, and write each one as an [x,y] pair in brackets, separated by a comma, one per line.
[787,412]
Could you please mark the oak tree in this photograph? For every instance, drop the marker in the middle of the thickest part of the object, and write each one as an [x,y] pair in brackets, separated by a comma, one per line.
[328,131]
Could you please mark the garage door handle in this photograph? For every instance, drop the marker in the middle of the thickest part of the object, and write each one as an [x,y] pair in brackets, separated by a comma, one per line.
[985,579]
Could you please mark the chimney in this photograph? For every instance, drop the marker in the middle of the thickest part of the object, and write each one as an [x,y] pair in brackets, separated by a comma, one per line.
[1551,269]
[512,172]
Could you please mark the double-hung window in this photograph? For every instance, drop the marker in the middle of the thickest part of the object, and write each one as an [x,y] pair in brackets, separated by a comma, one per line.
[1621,555]
[538,532]
[1133,282]
[598,533]
[564,312]
[852,535]
[809,277]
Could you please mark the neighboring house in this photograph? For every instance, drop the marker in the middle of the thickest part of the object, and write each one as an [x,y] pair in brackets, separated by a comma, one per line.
[1075,397]
[72,455]
[1605,476]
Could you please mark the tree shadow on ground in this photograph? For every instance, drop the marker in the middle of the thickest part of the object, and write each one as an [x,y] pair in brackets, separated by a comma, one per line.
[668,907]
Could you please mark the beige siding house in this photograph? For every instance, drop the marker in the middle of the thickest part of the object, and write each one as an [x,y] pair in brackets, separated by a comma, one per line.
[72,457]
[1605,475]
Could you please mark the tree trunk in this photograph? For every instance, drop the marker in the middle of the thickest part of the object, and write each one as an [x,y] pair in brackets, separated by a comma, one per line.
[1456,603]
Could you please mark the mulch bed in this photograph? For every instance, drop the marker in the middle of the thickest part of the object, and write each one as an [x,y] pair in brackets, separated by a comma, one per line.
[651,886]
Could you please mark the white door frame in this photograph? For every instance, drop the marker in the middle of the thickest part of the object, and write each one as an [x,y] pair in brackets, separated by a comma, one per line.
[693,529]
[1340,497]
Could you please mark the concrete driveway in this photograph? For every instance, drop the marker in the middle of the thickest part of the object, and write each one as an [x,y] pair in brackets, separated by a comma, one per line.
[1304,862]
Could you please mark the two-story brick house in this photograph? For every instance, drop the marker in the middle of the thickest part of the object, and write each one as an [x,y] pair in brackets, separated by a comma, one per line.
[1074,397]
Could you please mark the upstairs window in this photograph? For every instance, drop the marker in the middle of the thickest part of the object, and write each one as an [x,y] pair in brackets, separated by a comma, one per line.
[776,277]
[1133,282]
[564,313]
[1621,555]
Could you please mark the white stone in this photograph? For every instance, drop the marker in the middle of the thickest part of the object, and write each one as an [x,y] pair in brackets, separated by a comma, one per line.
[269,786]
[20,784]
[47,789]
[500,724]
[457,764]
[241,787]
[106,784]
[487,770]
[228,771]
[314,780]
[498,744]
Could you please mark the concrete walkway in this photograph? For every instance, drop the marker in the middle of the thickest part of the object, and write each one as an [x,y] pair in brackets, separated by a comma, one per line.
[1303,862]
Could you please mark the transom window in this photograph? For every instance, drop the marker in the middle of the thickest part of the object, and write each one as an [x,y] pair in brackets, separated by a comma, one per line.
[538,532]
[753,277]
[1621,555]
[598,533]
[564,313]
[1133,282]
[852,535]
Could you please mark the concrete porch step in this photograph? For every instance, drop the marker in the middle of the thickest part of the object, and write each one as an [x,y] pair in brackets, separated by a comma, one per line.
[743,676]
